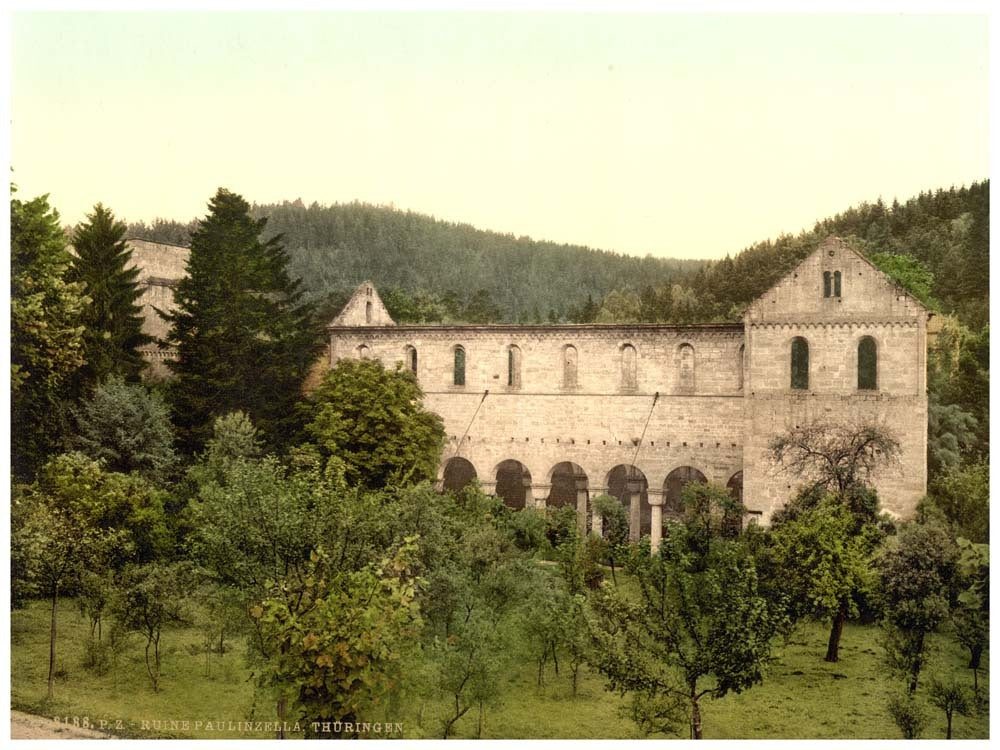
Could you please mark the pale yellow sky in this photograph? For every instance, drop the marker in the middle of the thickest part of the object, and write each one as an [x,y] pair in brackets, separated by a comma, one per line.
[677,135]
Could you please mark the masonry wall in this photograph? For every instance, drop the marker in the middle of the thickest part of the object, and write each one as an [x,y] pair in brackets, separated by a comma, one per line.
[869,305]
[160,266]
[597,424]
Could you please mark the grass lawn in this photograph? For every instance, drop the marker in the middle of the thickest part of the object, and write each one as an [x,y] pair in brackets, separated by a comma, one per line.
[802,696]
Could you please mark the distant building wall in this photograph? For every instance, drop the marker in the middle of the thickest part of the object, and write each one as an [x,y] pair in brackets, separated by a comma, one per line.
[160,266]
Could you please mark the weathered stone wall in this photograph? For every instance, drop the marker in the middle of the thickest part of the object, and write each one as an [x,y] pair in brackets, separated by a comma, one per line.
[160,266]
[597,423]
[869,305]
[714,395]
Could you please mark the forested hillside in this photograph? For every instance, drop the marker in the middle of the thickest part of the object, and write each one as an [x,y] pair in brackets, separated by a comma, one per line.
[471,274]
[947,231]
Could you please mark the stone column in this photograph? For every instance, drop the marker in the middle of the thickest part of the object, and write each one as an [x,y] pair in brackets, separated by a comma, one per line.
[656,519]
[489,488]
[596,524]
[633,490]
[581,506]
[535,495]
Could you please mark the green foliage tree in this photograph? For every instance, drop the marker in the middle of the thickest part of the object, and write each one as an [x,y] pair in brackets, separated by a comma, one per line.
[243,338]
[951,697]
[127,427]
[372,420]
[60,534]
[951,433]
[47,332]
[971,615]
[336,638]
[619,306]
[910,274]
[825,564]
[113,320]
[154,596]
[963,497]
[614,531]
[916,571]
[907,715]
[699,628]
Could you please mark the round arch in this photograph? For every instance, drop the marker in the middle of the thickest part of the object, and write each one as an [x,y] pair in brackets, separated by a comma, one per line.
[513,483]
[567,480]
[458,473]
[674,485]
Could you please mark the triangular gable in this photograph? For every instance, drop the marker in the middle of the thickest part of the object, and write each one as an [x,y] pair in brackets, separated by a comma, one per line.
[364,308]
[866,290]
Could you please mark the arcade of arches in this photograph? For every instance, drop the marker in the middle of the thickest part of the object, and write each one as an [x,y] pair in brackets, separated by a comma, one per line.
[646,505]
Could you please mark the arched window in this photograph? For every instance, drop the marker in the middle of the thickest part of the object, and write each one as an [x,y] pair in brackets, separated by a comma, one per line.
[513,366]
[459,371]
[411,359]
[867,364]
[836,283]
[800,363]
[685,368]
[739,367]
[569,366]
[363,352]
[368,312]
[827,288]
[628,367]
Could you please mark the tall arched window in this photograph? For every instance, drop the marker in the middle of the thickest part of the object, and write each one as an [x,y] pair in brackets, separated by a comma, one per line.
[685,368]
[827,286]
[513,366]
[867,364]
[800,363]
[836,283]
[741,355]
[628,367]
[368,312]
[459,371]
[411,359]
[569,366]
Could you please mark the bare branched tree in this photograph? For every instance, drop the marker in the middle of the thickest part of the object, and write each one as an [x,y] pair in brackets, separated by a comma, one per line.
[837,457]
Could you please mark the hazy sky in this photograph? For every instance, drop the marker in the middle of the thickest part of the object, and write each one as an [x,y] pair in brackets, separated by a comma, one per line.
[682,135]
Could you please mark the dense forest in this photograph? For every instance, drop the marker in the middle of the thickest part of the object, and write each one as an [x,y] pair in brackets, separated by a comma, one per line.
[436,270]
[471,272]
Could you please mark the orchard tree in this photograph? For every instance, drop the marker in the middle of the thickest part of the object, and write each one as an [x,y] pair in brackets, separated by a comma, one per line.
[698,629]
[951,697]
[373,420]
[335,638]
[154,596]
[838,457]
[113,319]
[825,564]
[126,427]
[244,339]
[916,570]
[47,332]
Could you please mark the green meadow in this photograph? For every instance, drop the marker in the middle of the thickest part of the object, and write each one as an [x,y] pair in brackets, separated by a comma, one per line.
[801,697]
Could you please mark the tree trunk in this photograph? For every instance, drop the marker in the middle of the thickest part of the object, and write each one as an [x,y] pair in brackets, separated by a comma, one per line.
[975,680]
[222,648]
[977,654]
[555,659]
[576,671]
[917,663]
[52,640]
[836,629]
[948,714]
[479,730]
[695,717]
[451,722]
[541,666]
[282,703]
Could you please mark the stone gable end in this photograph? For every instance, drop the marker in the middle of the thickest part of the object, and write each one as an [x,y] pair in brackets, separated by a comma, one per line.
[364,308]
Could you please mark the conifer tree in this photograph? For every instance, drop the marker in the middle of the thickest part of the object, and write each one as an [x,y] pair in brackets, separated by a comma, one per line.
[244,340]
[46,331]
[113,320]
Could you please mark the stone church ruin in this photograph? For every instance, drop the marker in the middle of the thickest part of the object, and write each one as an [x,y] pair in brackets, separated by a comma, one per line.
[554,415]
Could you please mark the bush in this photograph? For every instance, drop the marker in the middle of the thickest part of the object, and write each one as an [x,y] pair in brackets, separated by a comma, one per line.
[908,715]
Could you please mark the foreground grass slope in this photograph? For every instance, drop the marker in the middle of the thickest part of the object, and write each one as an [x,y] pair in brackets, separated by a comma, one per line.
[802,696]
